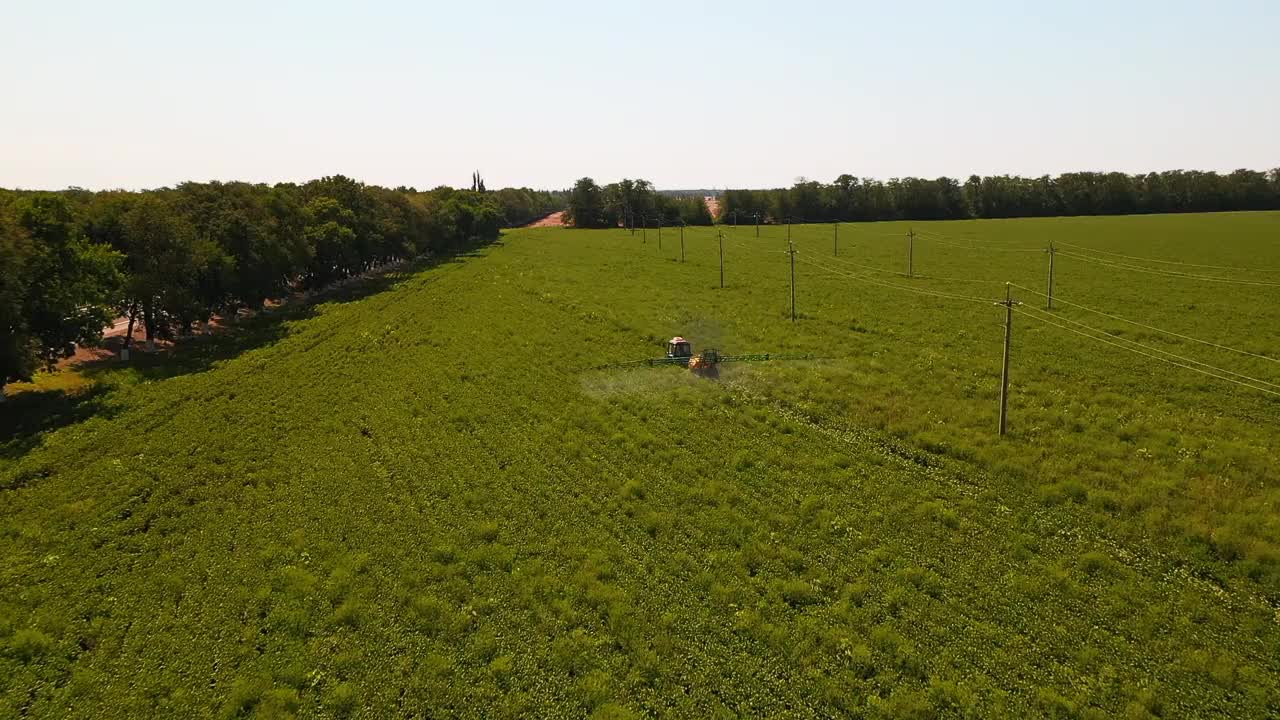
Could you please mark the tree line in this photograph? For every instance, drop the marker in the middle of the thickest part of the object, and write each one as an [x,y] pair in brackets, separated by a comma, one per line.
[849,198]
[631,203]
[73,261]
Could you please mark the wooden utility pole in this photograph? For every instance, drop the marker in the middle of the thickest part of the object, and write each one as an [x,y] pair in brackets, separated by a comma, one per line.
[682,242]
[911,242]
[1004,365]
[1050,293]
[720,236]
[792,252]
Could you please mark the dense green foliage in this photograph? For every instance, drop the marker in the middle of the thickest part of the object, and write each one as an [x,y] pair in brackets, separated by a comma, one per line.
[55,285]
[632,203]
[173,257]
[420,503]
[849,198]
[521,206]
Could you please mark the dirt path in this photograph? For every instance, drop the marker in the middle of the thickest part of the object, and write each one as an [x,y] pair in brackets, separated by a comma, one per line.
[112,341]
[713,206]
[555,219]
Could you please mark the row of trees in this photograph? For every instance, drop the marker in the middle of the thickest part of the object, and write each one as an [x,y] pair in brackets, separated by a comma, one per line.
[849,198]
[631,203]
[521,206]
[72,261]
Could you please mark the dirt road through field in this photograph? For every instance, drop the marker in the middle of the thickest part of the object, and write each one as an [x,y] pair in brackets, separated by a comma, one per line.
[713,206]
[555,219]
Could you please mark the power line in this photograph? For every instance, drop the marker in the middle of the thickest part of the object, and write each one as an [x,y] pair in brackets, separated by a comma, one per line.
[1152,327]
[1167,262]
[1111,340]
[858,226]
[854,225]
[1168,273]
[899,273]
[1139,352]
[955,279]
[966,244]
[882,283]
[994,242]
[938,239]
[872,268]
[745,246]
[1166,352]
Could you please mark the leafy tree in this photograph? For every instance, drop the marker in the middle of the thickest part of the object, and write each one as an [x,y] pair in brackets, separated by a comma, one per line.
[522,205]
[692,210]
[57,287]
[635,202]
[18,349]
[330,234]
[71,282]
[168,267]
[257,230]
[1078,193]
[586,204]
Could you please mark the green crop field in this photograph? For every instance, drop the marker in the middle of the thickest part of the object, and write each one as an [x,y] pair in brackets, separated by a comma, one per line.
[419,501]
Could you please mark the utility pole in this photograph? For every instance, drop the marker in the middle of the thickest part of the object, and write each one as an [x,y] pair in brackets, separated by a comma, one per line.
[911,241]
[1050,294]
[835,238]
[792,252]
[720,235]
[1004,365]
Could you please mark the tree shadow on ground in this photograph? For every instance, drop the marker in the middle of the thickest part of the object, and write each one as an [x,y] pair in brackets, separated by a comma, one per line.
[198,353]
[28,415]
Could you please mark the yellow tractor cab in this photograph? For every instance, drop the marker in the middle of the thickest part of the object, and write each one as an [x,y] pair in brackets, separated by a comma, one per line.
[678,347]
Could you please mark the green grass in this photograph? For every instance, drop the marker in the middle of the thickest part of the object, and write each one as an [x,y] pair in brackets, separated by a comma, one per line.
[420,502]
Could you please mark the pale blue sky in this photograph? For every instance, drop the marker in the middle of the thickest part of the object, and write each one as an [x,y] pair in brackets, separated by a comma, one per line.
[686,94]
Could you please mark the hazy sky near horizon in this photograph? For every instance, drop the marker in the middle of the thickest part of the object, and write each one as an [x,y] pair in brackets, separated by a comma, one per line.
[687,94]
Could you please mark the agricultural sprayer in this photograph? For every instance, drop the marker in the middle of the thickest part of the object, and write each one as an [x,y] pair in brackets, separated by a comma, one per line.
[704,364]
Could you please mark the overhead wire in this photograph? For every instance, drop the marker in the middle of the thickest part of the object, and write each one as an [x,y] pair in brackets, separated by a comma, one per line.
[733,241]
[1149,355]
[1163,352]
[1087,331]
[955,279]
[885,271]
[1171,333]
[969,245]
[896,286]
[1165,262]
[1167,273]
[899,273]
[872,268]
[1209,343]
